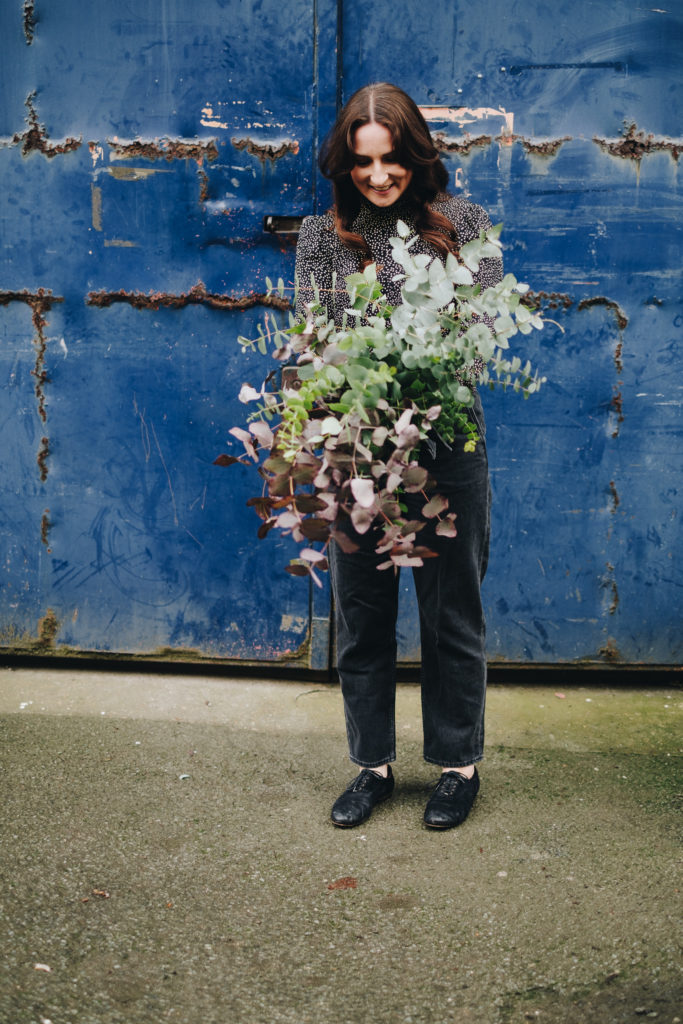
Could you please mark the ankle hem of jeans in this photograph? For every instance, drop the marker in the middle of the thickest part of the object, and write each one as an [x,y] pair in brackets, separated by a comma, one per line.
[455,764]
[372,764]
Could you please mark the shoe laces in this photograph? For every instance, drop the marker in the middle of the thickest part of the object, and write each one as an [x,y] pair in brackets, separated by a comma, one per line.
[366,779]
[449,782]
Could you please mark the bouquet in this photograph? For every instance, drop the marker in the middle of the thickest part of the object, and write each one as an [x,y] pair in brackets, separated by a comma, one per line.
[337,442]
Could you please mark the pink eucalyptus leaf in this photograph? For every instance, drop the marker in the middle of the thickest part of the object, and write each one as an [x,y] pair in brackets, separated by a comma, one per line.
[446,528]
[311,555]
[248,394]
[362,519]
[407,438]
[406,560]
[434,507]
[329,514]
[315,578]
[242,435]
[403,421]
[262,433]
[415,478]
[287,520]
[363,490]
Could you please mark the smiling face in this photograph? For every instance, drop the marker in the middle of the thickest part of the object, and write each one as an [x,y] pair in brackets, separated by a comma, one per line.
[376,173]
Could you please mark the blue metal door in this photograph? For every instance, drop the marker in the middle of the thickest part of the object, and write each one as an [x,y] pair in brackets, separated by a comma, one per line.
[142,146]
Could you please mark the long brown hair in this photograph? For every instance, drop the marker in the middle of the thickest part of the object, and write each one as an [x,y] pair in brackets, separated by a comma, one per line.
[385,104]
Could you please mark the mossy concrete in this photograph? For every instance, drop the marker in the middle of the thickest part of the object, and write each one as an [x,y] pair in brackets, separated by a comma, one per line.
[167,856]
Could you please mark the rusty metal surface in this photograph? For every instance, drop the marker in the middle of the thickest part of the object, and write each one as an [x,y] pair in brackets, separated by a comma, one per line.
[564,121]
[141,151]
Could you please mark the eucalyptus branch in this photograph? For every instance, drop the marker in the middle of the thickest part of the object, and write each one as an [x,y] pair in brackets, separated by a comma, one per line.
[371,389]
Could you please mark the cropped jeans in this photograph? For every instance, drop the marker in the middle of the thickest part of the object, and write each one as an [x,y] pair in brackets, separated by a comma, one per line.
[452,628]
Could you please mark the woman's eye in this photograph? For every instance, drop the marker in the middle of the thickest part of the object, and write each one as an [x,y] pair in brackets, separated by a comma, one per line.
[361,161]
[389,158]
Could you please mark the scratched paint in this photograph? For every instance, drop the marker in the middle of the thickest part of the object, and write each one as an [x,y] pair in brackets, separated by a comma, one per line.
[141,155]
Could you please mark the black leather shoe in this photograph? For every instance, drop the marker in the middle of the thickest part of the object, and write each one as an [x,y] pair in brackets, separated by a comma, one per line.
[452,800]
[356,802]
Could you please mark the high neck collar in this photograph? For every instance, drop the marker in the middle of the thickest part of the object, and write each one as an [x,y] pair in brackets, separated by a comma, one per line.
[400,210]
[397,209]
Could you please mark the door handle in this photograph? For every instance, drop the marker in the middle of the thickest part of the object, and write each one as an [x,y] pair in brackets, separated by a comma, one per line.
[276,225]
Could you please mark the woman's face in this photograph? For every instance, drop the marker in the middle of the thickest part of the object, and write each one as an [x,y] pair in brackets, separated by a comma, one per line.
[376,173]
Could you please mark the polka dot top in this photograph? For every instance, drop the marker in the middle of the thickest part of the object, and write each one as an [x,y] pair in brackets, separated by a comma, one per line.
[321,253]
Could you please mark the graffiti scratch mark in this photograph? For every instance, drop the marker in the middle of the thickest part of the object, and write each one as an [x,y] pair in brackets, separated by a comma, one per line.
[168,475]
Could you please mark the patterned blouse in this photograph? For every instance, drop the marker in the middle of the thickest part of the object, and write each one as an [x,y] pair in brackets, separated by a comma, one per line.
[320,251]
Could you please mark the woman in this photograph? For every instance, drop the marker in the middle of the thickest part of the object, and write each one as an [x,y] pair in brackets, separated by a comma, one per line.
[384,167]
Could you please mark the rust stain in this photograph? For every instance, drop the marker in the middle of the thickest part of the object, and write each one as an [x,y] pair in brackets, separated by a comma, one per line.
[634,144]
[36,138]
[610,652]
[615,496]
[610,584]
[45,525]
[618,406]
[40,303]
[48,627]
[196,296]
[554,300]
[30,21]
[43,455]
[617,356]
[462,146]
[267,150]
[548,147]
[622,323]
[534,147]
[600,300]
[203,186]
[165,149]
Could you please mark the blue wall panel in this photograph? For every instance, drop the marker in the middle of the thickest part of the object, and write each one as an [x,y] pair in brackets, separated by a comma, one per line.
[564,121]
[141,147]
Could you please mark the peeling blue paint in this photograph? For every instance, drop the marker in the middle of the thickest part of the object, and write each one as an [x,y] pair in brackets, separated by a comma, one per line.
[140,155]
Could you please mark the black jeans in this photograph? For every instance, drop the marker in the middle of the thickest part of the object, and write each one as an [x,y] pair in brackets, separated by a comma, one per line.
[452,628]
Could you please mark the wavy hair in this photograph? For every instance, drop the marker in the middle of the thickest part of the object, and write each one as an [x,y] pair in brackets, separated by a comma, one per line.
[385,104]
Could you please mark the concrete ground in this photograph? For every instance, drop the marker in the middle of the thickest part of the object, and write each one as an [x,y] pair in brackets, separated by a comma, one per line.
[167,856]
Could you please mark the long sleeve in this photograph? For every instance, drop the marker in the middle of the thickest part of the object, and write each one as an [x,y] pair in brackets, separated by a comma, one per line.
[314,257]
[471,221]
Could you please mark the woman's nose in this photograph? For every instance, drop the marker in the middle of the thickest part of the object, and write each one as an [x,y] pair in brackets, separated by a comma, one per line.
[378,174]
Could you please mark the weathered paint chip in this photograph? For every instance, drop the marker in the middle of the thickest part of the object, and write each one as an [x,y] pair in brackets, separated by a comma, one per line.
[267,150]
[197,295]
[30,21]
[96,208]
[634,144]
[164,149]
[36,138]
